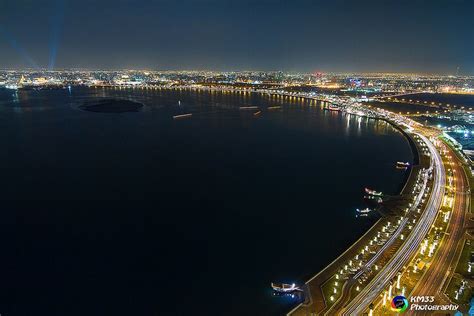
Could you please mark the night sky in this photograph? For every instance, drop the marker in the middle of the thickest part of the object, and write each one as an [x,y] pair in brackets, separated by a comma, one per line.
[293,35]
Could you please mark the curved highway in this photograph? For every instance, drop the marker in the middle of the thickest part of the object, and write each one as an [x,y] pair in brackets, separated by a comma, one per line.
[369,294]
[436,277]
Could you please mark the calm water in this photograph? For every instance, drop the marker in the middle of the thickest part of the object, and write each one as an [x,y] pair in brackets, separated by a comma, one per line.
[137,214]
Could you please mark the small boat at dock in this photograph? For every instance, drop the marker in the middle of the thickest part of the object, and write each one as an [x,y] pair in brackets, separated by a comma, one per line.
[332,107]
[373,192]
[285,288]
[11,87]
[403,164]
[364,211]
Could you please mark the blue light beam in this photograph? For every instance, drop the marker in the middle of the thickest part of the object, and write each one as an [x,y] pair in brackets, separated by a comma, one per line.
[18,48]
[56,26]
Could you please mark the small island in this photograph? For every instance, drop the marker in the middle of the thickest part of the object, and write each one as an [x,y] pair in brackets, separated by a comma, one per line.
[111,106]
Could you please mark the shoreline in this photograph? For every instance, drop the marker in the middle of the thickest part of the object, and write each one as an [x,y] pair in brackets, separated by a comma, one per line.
[414,150]
[315,283]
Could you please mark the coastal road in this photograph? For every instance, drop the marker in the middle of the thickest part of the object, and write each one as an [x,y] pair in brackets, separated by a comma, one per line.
[434,279]
[345,295]
[369,294]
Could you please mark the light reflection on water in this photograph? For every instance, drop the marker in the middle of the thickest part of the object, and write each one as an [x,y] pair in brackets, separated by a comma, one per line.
[165,205]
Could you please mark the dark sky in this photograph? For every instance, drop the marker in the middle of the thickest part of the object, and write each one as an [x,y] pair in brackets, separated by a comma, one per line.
[293,35]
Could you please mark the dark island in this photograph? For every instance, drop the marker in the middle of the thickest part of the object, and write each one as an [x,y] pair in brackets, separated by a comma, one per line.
[111,106]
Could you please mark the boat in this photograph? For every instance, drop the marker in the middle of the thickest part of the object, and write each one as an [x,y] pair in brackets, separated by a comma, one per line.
[176,117]
[373,192]
[364,211]
[11,87]
[257,113]
[248,107]
[332,107]
[285,288]
[403,164]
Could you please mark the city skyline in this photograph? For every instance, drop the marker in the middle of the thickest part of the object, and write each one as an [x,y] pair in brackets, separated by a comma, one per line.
[301,36]
[237,157]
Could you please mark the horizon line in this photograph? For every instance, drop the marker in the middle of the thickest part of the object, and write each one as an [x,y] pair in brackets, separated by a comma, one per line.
[45,69]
